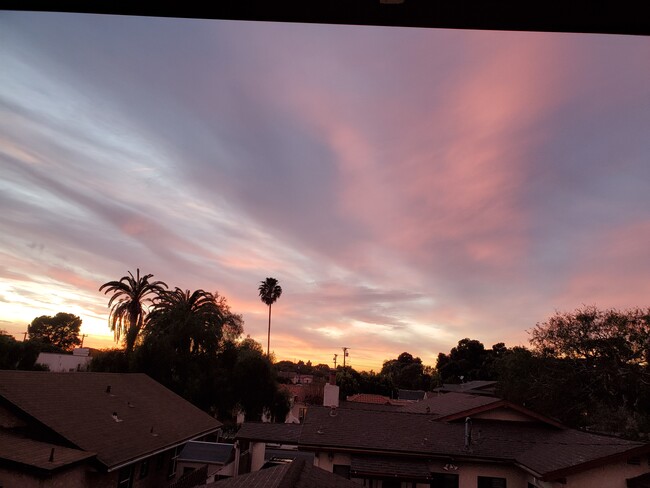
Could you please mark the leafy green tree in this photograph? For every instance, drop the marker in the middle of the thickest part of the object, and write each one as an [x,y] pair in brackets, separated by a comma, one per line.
[269,291]
[110,361]
[10,351]
[60,331]
[255,387]
[466,359]
[376,383]
[406,372]
[127,305]
[347,380]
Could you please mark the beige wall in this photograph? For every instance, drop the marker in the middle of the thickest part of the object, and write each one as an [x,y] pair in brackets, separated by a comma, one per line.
[607,476]
[323,461]
[257,451]
[468,473]
[504,414]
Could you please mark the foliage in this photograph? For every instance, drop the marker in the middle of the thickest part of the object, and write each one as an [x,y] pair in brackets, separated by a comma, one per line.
[269,291]
[587,368]
[110,361]
[406,372]
[347,380]
[60,331]
[127,305]
[192,323]
[20,355]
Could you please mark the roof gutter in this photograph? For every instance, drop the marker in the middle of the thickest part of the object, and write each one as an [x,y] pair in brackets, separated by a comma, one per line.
[166,448]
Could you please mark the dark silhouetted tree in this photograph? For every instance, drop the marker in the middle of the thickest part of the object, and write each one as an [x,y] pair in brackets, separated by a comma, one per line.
[60,331]
[127,305]
[269,291]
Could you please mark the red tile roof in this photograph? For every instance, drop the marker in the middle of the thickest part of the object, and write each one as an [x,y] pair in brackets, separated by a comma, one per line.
[79,408]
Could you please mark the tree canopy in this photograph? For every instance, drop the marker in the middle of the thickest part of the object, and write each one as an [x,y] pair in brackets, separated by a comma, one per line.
[127,305]
[60,331]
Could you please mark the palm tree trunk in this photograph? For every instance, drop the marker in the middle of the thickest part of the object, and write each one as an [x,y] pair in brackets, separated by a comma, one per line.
[268,340]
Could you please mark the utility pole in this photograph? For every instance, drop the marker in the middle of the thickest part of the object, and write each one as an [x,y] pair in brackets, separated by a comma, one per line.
[335,356]
[345,354]
[25,336]
[83,336]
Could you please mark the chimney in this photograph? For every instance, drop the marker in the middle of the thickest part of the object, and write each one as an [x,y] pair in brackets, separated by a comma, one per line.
[331,391]
[332,380]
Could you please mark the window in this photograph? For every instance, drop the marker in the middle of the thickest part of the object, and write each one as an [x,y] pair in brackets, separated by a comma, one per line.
[125,477]
[489,482]
[342,470]
[391,483]
[144,468]
[444,480]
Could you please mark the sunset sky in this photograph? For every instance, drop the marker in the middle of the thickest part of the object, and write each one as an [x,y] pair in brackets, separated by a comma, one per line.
[407,187]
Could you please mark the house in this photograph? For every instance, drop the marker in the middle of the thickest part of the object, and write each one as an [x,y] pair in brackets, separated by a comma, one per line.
[79,360]
[462,441]
[93,429]
[217,457]
[297,474]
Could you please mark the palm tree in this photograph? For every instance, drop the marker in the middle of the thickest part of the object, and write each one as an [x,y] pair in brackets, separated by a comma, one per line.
[191,323]
[130,294]
[269,291]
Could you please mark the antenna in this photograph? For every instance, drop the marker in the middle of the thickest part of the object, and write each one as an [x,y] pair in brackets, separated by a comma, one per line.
[345,354]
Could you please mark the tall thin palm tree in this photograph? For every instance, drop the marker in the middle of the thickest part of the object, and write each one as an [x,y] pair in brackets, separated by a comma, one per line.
[269,291]
[127,313]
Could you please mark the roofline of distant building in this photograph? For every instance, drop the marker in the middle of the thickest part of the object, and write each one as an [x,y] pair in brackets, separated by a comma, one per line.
[158,451]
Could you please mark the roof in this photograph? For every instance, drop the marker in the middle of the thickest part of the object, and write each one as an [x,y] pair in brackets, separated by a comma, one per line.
[369,398]
[297,474]
[39,455]
[410,394]
[642,481]
[371,406]
[375,466]
[206,452]
[79,408]
[270,432]
[449,403]
[479,387]
[421,436]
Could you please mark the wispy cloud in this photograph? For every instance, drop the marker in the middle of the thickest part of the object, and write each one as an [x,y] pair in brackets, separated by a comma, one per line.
[408,187]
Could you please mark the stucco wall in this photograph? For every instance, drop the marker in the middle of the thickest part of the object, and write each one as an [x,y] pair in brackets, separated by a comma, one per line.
[607,476]
[257,451]
[504,414]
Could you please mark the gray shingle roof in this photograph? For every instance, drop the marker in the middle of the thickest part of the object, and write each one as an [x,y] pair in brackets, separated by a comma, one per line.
[542,448]
[78,408]
[297,474]
[449,403]
[36,454]
[362,466]
[264,431]
[208,452]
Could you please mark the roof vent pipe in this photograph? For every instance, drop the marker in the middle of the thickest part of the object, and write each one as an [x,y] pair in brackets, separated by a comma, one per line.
[468,432]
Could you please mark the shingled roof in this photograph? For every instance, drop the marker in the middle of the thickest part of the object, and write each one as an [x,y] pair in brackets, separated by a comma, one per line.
[80,408]
[449,403]
[297,474]
[547,451]
[37,455]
